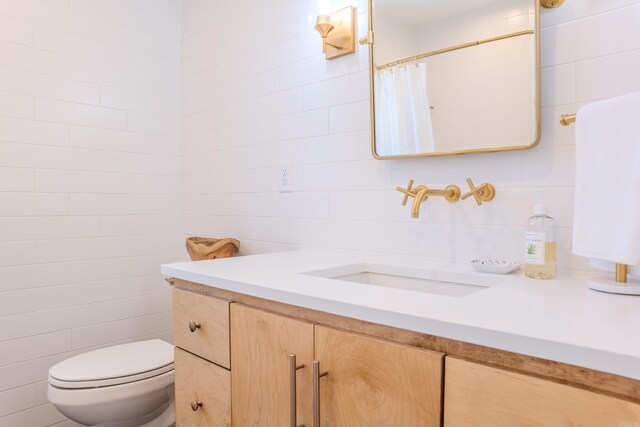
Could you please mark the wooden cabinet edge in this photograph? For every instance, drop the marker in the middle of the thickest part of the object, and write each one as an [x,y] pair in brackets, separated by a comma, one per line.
[576,376]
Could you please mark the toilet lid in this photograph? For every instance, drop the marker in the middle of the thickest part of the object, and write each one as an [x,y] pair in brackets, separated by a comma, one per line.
[114,365]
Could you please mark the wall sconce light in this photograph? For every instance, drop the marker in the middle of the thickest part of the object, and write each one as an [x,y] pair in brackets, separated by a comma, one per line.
[338,32]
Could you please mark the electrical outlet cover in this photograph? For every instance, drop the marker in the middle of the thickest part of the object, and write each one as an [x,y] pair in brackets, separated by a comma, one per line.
[285,177]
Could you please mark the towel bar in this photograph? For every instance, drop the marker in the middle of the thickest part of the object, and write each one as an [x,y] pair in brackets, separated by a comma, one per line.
[622,270]
[567,119]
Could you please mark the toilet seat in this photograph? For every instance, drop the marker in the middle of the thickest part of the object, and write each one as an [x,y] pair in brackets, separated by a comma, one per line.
[109,382]
[113,366]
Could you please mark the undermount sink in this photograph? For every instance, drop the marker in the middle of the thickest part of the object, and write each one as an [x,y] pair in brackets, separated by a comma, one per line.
[453,284]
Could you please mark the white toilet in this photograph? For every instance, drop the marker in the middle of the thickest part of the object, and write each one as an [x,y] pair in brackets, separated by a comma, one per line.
[121,386]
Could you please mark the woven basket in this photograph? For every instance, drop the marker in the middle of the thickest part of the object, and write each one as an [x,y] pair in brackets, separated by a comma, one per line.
[201,248]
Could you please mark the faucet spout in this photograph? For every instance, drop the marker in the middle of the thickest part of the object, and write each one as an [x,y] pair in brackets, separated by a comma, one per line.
[422,193]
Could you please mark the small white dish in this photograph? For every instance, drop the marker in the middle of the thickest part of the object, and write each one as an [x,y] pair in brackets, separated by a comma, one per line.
[494,266]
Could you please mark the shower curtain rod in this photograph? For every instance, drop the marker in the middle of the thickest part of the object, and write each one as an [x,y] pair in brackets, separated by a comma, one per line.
[452,48]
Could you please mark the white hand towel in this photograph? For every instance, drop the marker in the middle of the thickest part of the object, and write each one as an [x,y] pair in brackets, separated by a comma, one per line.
[606,223]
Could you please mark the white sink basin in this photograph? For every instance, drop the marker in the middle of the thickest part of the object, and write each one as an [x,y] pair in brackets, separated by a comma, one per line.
[453,284]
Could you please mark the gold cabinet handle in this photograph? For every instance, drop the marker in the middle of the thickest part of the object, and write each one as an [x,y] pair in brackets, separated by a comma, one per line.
[193,325]
[195,405]
[169,280]
[293,368]
[316,392]
[484,193]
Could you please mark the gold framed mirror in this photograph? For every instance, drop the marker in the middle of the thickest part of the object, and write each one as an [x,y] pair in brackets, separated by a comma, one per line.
[454,77]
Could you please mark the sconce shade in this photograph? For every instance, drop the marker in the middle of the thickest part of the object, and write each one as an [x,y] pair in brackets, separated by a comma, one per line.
[316,8]
[323,25]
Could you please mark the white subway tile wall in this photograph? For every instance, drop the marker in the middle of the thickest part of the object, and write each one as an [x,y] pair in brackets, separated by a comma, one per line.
[256,91]
[88,185]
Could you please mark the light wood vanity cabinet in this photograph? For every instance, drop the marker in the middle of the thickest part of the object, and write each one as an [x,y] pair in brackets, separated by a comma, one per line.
[375,375]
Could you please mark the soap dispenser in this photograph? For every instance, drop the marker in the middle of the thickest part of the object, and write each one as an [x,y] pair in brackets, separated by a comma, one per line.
[540,244]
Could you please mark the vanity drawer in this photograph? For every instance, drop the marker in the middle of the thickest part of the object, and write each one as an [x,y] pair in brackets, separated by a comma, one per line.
[203,386]
[201,325]
[480,395]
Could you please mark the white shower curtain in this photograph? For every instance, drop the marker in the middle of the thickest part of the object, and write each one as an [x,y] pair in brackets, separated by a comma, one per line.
[403,116]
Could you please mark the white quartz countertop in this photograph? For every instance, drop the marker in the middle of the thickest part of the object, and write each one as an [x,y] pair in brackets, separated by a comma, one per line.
[560,319]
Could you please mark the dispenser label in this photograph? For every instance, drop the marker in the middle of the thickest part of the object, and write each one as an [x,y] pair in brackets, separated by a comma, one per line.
[534,247]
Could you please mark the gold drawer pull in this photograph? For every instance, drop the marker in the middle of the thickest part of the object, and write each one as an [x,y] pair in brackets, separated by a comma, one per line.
[193,326]
[195,405]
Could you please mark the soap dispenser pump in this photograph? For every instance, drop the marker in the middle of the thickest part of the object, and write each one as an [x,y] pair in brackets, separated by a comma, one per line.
[540,243]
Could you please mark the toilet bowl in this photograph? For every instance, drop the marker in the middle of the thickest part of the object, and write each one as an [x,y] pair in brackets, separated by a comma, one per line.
[121,386]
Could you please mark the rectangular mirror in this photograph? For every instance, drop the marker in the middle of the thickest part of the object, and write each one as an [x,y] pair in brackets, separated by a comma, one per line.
[453,77]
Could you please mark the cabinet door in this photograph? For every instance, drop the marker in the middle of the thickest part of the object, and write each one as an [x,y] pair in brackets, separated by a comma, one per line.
[371,382]
[261,344]
[479,395]
[203,392]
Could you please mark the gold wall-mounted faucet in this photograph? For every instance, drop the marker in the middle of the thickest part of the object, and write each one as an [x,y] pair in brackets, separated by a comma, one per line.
[484,193]
[422,193]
